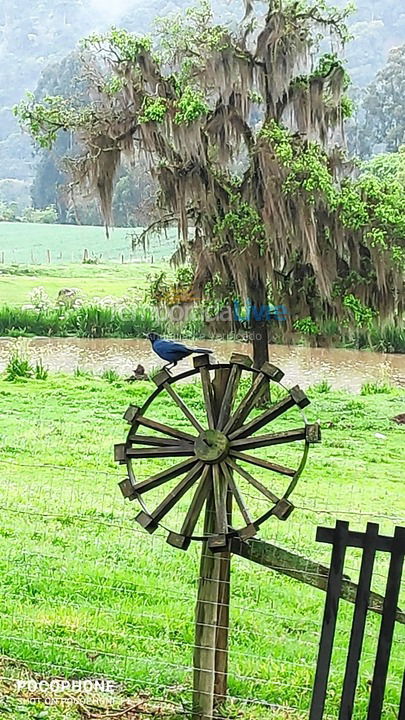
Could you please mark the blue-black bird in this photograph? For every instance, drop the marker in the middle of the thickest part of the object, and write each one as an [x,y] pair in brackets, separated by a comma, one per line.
[171,351]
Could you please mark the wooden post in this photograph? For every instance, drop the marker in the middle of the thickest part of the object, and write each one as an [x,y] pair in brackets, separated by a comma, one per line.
[48,255]
[212,609]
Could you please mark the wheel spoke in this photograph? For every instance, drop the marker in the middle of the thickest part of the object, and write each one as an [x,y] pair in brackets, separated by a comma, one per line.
[164,429]
[247,403]
[183,407]
[161,452]
[155,440]
[220,494]
[229,395]
[208,395]
[236,493]
[252,481]
[295,397]
[270,439]
[160,478]
[197,503]
[260,462]
[151,522]
[265,417]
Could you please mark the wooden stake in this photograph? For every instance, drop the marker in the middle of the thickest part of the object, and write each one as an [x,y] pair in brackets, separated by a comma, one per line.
[212,611]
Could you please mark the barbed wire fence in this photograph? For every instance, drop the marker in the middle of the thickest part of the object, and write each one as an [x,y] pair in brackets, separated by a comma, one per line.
[86,593]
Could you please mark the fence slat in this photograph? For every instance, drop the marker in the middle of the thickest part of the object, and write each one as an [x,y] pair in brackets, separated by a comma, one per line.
[387,626]
[329,620]
[359,622]
[401,713]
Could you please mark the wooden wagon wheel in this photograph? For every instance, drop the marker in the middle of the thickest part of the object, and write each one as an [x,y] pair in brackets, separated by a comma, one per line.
[214,454]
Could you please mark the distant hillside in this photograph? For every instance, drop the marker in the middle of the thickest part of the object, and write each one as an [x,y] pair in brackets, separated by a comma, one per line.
[34,33]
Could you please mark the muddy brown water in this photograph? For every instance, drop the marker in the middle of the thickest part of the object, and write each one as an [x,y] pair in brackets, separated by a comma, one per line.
[346,369]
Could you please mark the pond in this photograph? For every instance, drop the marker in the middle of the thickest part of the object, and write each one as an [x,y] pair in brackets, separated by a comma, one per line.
[346,369]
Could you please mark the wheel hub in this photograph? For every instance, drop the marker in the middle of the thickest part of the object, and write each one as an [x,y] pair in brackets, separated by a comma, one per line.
[211,446]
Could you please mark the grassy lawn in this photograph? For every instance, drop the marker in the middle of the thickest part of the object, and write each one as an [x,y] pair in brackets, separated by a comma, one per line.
[85,592]
[25,243]
[92,280]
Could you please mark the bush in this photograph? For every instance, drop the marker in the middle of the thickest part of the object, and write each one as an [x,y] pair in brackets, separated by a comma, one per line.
[47,216]
[18,367]
[375,388]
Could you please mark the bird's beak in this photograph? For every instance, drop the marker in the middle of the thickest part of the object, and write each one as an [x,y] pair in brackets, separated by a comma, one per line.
[145,335]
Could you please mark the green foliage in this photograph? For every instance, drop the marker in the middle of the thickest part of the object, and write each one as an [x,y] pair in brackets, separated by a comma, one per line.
[48,215]
[309,172]
[189,35]
[184,275]
[347,106]
[389,339]
[307,326]
[162,291]
[40,372]
[280,139]
[8,212]
[351,207]
[158,287]
[190,106]
[363,315]
[306,164]
[127,46]
[242,224]
[322,387]
[154,109]
[114,85]
[376,388]
[78,372]
[18,367]
[387,167]
[328,63]
[382,117]
[45,119]
[110,375]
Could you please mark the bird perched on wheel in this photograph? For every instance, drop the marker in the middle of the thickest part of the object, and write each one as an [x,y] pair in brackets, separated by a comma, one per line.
[171,351]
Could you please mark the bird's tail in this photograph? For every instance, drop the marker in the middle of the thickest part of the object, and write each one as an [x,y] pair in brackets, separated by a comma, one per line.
[203,351]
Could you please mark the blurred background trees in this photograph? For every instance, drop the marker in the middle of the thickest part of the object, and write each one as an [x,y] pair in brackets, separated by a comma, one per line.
[37,38]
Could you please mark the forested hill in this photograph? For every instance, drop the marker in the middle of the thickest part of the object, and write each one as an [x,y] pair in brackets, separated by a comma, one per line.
[34,33]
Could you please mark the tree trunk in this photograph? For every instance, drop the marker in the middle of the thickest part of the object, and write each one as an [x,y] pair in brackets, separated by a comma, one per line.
[258,321]
[259,326]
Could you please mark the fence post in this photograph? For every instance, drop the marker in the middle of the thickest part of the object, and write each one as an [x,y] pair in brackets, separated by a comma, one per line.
[387,626]
[212,609]
[48,254]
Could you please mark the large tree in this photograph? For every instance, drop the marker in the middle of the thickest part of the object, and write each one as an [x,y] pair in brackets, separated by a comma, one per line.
[381,115]
[243,135]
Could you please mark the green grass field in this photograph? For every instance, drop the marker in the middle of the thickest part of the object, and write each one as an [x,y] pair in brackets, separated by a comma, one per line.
[114,280]
[85,592]
[26,243]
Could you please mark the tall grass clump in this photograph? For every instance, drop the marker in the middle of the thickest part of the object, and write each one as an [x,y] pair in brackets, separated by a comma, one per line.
[40,372]
[110,376]
[376,388]
[87,321]
[321,387]
[18,367]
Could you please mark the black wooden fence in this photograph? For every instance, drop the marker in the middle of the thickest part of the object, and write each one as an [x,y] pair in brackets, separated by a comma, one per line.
[370,542]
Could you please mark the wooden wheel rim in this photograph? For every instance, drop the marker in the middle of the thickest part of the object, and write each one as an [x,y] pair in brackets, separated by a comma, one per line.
[281,502]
